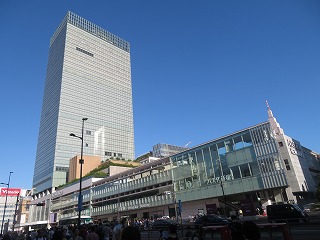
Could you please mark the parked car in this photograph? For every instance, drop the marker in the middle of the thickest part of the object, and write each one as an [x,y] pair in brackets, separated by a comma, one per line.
[211,220]
[163,223]
[286,212]
[307,207]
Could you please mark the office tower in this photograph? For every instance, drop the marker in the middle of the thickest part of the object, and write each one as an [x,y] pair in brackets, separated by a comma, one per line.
[88,76]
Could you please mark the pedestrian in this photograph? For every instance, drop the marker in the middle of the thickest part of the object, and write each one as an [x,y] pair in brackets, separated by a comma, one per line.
[28,237]
[7,236]
[163,235]
[65,233]
[106,232]
[236,228]
[41,235]
[118,228]
[172,232]
[58,234]
[92,235]
[240,213]
[189,234]
[83,231]
[130,233]
[99,231]
[51,232]
[75,235]
[250,230]
[34,234]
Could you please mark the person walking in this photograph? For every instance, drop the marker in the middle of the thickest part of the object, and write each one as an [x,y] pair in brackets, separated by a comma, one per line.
[75,235]
[172,232]
[118,229]
[130,233]
[250,230]
[92,235]
[106,232]
[41,235]
[236,228]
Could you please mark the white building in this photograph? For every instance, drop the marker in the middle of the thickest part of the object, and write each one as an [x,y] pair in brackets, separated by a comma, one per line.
[88,76]
[12,208]
[301,164]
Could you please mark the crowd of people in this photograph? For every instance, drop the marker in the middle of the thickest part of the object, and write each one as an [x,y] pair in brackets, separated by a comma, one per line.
[102,231]
[125,230]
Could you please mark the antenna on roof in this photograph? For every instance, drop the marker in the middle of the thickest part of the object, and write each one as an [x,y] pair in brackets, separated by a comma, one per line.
[267,104]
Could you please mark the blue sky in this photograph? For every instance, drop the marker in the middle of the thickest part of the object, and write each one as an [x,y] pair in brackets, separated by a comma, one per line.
[200,69]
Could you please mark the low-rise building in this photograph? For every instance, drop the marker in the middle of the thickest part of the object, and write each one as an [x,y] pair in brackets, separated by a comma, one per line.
[13,208]
[247,169]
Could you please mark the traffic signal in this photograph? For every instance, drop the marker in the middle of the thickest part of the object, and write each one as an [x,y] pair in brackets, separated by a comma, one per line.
[40,204]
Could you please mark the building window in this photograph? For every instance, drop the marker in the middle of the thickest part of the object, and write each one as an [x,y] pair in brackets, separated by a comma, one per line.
[107,153]
[119,154]
[286,162]
[88,132]
[280,144]
[246,173]
[62,169]
[84,51]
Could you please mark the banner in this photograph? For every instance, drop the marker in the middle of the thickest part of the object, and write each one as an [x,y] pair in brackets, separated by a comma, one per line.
[12,192]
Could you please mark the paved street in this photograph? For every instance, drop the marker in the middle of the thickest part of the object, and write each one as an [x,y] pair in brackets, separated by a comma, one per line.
[298,231]
[306,231]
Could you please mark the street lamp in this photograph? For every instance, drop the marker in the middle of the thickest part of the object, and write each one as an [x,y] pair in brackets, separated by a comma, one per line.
[222,187]
[5,203]
[81,162]
[224,198]
[15,213]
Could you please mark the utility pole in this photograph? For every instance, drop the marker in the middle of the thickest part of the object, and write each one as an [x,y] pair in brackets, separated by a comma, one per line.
[5,203]
[15,213]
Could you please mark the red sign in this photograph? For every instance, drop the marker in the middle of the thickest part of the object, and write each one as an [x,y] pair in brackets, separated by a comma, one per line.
[13,192]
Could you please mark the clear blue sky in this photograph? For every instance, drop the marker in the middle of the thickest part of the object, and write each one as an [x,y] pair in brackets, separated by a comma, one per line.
[200,69]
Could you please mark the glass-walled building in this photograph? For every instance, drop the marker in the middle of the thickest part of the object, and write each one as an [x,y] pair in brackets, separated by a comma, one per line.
[246,170]
[245,164]
[88,76]
[162,150]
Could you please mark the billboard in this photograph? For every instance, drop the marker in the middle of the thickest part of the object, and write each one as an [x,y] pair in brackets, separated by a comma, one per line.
[12,192]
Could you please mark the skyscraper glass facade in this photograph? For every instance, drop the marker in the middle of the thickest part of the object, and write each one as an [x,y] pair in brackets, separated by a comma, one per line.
[164,150]
[88,75]
[245,161]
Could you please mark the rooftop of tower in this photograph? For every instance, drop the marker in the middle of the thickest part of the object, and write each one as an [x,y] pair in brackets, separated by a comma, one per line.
[93,29]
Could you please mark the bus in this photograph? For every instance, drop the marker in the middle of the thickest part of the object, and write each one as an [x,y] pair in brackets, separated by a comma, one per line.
[72,221]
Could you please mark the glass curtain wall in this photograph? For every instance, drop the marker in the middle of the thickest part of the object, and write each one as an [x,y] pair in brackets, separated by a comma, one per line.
[245,154]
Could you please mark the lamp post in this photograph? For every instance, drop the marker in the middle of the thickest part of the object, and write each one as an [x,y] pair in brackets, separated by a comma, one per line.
[224,197]
[15,213]
[5,203]
[80,181]
[222,187]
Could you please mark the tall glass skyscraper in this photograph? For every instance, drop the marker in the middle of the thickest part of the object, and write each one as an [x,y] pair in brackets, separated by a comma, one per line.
[88,76]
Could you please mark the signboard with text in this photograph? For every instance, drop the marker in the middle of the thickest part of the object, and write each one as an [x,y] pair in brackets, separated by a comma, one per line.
[12,192]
